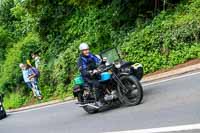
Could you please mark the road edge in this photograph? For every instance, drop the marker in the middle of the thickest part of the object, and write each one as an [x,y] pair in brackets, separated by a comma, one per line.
[172,72]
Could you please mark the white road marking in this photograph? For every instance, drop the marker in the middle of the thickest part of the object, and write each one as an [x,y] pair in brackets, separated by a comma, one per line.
[148,84]
[163,129]
[173,78]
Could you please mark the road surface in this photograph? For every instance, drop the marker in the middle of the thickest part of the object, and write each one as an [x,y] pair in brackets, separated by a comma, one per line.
[172,103]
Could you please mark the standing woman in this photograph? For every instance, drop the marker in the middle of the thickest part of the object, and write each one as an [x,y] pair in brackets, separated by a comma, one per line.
[25,74]
[30,79]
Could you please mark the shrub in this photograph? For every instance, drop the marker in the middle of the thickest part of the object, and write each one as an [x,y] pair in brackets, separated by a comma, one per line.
[170,39]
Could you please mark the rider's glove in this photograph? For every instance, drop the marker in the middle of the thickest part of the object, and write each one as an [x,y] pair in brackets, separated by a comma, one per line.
[95,71]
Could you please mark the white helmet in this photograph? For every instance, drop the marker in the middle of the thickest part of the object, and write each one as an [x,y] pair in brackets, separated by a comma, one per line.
[83,46]
[21,65]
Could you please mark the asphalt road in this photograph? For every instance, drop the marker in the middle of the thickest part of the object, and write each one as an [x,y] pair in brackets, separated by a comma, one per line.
[166,104]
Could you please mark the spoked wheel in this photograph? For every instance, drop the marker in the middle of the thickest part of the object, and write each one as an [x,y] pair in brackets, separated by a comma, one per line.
[131,92]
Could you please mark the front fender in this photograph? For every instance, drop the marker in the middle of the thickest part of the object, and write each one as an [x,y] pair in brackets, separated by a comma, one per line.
[123,74]
[127,74]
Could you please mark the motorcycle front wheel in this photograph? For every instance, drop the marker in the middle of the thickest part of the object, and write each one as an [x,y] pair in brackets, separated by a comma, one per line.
[131,93]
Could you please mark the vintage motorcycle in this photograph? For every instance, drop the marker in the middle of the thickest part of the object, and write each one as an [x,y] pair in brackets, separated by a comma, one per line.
[2,110]
[120,84]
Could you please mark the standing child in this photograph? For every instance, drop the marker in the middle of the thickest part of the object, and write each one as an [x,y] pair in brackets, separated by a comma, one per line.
[36,59]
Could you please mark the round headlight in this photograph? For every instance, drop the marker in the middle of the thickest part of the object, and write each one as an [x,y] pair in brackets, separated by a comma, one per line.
[118,65]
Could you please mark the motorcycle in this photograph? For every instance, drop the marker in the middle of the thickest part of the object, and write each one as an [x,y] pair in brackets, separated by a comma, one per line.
[120,84]
[2,110]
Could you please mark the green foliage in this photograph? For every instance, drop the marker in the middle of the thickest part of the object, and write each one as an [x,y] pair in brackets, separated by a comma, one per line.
[84,3]
[5,14]
[170,39]
[24,22]
[5,40]
[14,100]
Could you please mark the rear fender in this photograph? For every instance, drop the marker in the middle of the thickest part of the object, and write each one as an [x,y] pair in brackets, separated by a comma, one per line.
[76,90]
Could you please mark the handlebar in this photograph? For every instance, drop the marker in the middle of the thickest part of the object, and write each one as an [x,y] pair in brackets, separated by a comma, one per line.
[101,69]
[106,68]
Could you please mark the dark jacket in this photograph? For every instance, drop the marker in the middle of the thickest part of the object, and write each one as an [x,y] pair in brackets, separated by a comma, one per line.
[87,63]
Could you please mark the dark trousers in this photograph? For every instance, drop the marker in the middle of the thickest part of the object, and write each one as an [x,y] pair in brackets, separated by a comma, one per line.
[95,86]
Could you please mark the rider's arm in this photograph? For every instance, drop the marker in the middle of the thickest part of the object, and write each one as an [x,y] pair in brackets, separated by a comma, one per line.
[83,68]
[96,59]
[31,74]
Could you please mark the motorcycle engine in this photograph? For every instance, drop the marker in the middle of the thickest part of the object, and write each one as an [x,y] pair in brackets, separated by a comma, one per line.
[112,96]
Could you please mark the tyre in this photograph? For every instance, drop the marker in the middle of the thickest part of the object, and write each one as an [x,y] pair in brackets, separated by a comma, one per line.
[2,113]
[132,93]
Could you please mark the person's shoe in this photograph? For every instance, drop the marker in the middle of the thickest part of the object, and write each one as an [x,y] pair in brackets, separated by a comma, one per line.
[39,97]
[99,104]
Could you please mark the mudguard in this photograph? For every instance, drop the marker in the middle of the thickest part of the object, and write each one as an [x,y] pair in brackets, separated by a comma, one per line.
[76,90]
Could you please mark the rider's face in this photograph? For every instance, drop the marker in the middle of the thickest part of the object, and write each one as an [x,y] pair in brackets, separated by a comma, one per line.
[86,52]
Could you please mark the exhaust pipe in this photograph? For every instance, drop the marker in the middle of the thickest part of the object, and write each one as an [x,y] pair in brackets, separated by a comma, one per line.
[93,106]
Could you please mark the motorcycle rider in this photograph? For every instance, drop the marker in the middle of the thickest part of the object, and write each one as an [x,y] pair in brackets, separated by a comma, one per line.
[87,65]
